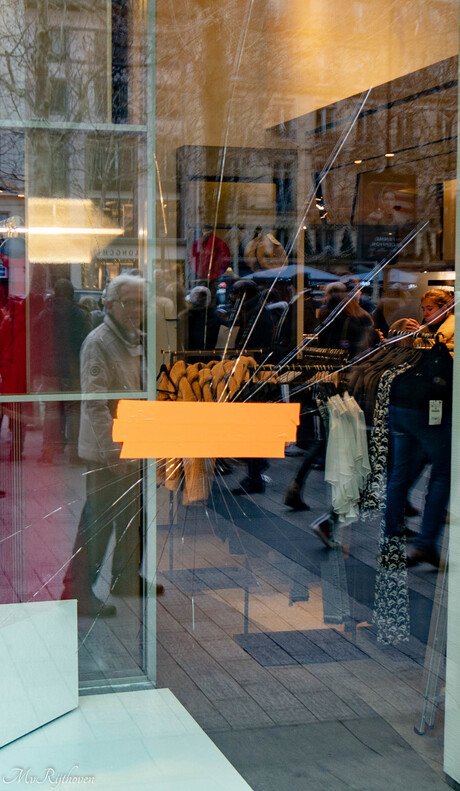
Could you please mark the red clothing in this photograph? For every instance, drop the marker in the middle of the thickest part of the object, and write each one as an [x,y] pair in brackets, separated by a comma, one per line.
[200,257]
[13,348]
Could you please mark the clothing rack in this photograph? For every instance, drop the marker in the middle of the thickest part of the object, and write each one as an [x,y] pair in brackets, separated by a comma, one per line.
[425,336]
[434,675]
[312,356]
[177,354]
[317,353]
[435,657]
[316,360]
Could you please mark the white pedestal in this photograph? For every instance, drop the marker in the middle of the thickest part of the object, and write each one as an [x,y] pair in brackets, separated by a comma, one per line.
[39,665]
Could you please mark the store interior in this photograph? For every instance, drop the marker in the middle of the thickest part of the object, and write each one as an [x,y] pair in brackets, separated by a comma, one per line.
[287,121]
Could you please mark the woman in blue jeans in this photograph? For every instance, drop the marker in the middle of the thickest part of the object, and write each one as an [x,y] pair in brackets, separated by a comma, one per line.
[420,423]
[413,441]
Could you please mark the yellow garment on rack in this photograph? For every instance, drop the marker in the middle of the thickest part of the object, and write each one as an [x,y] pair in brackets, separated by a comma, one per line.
[215,381]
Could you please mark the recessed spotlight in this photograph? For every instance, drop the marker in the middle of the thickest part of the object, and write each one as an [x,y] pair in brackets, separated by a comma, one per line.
[389,154]
[358,161]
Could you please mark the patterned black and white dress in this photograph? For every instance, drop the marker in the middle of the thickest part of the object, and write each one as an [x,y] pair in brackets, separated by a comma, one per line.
[374,495]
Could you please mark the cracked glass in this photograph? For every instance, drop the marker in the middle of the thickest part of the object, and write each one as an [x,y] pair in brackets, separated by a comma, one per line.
[248,202]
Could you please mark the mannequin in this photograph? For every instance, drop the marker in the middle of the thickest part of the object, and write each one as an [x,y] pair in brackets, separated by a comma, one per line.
[264,252]
[210,256]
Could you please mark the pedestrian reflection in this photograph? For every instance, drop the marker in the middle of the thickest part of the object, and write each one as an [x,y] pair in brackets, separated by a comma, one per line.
[111,362]
[59,332]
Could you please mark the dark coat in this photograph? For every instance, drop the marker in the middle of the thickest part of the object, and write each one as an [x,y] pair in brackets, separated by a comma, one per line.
[60,331]
[355,333]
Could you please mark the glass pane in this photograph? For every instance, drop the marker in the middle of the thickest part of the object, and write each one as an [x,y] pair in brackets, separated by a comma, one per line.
[300,248]
[307,166]
[74,195]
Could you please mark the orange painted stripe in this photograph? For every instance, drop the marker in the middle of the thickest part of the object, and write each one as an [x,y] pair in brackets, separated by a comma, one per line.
[194,430]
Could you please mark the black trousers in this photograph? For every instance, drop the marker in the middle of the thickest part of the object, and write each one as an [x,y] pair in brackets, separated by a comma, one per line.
[314,449]
[113,504]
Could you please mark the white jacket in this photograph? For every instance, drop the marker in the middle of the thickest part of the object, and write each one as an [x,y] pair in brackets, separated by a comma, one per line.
[110,364]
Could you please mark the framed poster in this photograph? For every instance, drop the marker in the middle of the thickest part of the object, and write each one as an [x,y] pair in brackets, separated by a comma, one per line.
[384,211]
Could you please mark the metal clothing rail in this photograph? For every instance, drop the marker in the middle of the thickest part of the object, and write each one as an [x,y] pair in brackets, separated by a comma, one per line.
[209,353]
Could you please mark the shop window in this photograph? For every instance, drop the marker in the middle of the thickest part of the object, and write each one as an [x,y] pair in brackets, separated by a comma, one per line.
[60,168]
[110,164]
[59,98]
[11,162]
[119,61]
[57,44]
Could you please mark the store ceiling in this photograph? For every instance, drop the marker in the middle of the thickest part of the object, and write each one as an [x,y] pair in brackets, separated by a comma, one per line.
[228,71]
[334,49]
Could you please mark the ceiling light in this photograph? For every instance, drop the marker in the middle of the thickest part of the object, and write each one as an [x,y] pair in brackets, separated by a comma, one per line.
[64,230]
[358,161]
[389,154]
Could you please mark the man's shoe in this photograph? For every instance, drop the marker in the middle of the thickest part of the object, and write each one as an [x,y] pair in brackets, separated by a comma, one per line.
[249,487]
[94,607]
[293,500]
[423,556]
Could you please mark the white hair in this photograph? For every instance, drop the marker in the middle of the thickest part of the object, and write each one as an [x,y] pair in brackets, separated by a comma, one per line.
[112,293]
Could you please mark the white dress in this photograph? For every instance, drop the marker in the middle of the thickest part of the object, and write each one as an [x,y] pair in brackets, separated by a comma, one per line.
[347,460]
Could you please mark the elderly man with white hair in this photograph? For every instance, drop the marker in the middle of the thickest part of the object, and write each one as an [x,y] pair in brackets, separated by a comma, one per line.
[112,361]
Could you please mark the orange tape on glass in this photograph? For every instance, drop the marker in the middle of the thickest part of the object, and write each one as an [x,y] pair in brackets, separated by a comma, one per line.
[165,429]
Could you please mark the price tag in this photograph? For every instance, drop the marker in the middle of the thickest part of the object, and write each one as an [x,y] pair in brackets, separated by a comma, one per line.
[435,418]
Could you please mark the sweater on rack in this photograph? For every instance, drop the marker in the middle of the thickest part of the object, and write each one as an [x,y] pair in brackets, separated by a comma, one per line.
[214,381]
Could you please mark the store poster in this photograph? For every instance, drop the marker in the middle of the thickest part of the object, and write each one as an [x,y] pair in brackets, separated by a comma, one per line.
[384,212]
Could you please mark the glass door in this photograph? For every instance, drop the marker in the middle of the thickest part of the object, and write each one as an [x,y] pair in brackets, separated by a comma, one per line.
[76,214]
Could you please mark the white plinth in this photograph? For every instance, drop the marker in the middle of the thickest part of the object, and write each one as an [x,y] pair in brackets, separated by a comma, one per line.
[38,665]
